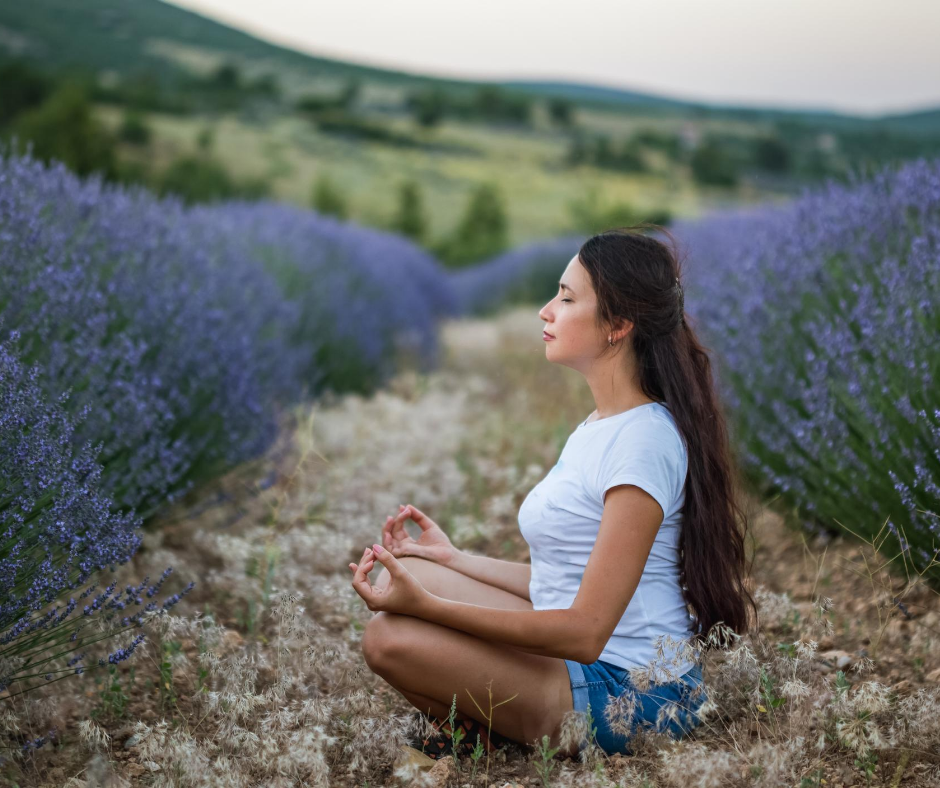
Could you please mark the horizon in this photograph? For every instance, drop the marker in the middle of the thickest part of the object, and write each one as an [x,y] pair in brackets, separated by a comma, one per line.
[879,63]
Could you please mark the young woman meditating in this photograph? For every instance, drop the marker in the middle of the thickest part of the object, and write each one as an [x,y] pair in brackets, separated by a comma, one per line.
[635,536]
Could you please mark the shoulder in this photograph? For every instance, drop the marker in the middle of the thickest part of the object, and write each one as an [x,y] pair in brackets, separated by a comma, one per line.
[656,427]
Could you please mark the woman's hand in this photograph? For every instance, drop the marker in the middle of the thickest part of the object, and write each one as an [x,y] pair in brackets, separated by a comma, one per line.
[433,543]
[402,594]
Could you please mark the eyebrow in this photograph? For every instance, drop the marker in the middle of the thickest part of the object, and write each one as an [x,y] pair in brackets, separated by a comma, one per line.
[563,286]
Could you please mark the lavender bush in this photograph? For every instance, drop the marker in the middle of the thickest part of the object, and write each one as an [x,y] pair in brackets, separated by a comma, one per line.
[169,339]
[187,329]
[526,274]
[368,299]
[56,532]
[825,315]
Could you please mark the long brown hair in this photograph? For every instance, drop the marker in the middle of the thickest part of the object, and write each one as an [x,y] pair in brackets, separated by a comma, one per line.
[634,277]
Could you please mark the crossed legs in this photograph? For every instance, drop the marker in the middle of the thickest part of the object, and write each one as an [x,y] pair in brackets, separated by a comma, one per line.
[429,663]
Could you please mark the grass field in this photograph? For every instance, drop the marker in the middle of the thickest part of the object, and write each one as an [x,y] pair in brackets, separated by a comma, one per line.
[536,187]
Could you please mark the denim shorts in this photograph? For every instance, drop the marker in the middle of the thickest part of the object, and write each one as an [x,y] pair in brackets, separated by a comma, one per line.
[601,684]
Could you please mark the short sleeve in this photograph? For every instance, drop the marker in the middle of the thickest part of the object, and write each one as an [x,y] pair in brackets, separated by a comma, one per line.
[649,455]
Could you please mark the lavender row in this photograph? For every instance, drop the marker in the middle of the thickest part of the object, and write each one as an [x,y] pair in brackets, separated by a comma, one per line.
[825,318]
[526,274]
[57,532]
[145,347]
[187,329]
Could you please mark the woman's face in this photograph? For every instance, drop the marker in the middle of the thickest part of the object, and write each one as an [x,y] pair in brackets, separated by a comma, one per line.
[575,339]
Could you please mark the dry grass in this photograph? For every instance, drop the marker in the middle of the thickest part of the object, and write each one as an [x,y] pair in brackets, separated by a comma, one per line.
[260,679]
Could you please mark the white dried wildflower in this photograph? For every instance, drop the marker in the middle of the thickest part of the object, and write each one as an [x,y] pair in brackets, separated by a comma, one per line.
[805,649]
[93,735]
[823,605]
[772,608]
[864,665]
[9,721]
[707,708]
[795,689]
[741,658]
[781,762]
[669,711]
[574,730]
[721,636]
[692,765]
[871,696]
[620,711]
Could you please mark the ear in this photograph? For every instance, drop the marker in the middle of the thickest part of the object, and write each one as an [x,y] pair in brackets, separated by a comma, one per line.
[621,329]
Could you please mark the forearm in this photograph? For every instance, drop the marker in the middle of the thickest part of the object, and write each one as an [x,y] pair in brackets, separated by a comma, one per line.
[564,634]
[507,575]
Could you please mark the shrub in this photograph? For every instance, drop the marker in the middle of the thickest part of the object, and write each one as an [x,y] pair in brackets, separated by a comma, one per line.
[824,315]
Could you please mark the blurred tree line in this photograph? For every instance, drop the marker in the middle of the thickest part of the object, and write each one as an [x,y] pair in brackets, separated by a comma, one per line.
[53,113]
[54,117]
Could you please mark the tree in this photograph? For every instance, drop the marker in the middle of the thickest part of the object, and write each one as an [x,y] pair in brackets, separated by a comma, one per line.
[21,89]
[428,106]
[482,231]
[197,179]
[560,111]
[771,154]
[410,219]
[711,166]
[328,199]
[134,128]
[63,128]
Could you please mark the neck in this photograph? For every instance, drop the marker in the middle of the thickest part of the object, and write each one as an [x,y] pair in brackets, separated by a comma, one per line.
[615,385]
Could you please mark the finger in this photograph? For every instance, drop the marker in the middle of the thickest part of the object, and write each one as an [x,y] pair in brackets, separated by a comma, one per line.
[398,527]
[361,584]
[389,561]
[423,521]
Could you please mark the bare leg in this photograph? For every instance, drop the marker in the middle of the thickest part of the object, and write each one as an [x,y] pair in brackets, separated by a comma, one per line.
[427,705]
[430,663]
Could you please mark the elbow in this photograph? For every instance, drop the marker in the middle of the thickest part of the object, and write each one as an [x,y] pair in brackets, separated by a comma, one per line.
[588,649]
[594,653]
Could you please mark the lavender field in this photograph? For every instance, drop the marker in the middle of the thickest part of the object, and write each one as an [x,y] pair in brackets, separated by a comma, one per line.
[206,412]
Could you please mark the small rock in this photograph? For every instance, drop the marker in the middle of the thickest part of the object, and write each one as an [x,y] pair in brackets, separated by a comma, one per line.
[934,675]
[409,756]
[150,766]
[840,659]
[232,640]
[440,774]
[902,686]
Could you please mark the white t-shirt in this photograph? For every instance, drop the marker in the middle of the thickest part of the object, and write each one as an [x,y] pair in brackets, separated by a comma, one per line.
[561,516]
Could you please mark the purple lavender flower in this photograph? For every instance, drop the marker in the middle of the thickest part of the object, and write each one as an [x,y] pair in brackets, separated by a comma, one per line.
[824,316]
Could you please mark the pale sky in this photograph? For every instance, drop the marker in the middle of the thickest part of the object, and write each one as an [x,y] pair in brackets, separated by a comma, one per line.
[866,57]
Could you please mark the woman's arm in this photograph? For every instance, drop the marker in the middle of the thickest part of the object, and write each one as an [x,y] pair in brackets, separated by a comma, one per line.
[507,575]
[565,634]
[628,528]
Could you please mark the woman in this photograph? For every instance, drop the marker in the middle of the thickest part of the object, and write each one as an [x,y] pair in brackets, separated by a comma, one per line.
[634,536]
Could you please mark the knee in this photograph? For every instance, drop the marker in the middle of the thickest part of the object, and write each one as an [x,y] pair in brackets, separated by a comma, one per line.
[381,642]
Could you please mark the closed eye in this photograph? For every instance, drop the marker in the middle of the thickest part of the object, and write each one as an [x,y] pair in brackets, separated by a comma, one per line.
[565,299]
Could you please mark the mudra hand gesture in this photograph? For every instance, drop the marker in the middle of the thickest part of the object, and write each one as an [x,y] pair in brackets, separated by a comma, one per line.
[402,594]
[433,544]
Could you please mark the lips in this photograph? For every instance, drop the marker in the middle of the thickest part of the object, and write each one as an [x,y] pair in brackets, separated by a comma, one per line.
[546,335]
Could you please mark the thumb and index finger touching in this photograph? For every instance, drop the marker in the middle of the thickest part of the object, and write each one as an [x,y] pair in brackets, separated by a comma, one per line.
[361,570]
[394,528]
